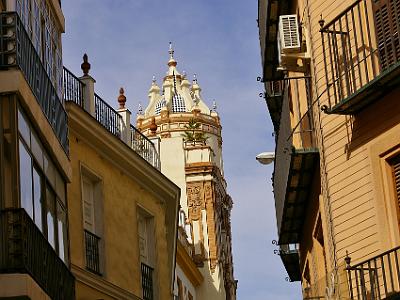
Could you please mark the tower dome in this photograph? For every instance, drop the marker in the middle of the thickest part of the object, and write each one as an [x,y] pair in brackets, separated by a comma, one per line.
[178,95]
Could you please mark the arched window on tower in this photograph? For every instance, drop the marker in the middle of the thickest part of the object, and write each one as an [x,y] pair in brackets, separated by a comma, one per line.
[178,104]
[160,104]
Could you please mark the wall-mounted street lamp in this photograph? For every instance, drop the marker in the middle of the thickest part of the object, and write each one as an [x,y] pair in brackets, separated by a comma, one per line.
[265,158]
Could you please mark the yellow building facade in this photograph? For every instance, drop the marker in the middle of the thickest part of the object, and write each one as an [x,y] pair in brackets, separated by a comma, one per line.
[34,162]
[85,212]
[331,86]
[188,136]
[122,210]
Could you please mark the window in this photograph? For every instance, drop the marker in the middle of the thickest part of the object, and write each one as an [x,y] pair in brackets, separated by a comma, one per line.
[146,251]
[160,104]
[92,212]
[39,22]
[395,164]
[42,188]
[178,103]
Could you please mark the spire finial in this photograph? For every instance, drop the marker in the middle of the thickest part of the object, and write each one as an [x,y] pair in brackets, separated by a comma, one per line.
[121,98]
[214,106]
[194,78]
[154,80]
[184,74]
[140,109]
[85,66]
[171,50]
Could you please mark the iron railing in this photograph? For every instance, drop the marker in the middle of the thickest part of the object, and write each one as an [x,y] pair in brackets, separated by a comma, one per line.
[147,282]
[17,51]
[353,57]
[72,87]
[107,116]
[110,119]
[144,147]
[24,249]
[274,88]
[375,278]
[92,249]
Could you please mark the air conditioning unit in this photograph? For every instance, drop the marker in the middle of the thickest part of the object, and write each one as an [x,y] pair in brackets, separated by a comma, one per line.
[292,49]
[289,34]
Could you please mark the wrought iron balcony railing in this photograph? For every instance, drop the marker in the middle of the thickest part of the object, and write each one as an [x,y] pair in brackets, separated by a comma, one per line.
[17,51]
[375,278]
[24,249]
[92,250]
[147,282]
[73,87]
[107,116]
[296,157]
[274,91]
[110,119]
[361,66]
[144,147]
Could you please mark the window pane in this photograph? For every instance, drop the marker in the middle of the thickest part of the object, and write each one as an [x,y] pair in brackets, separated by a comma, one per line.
[37,150]
[50,171]
[50,216]
[37,196]
[60,187]
[25,179]
[62,233]
[23,128]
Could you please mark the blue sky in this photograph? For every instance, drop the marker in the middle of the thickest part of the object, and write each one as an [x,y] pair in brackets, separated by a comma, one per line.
[127,43]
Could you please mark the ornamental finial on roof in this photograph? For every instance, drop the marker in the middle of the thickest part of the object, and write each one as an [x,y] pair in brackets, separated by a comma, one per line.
[121,99]
[153,80]
[214,106]
[85,66]
[171,50]
[184,74]
[140,109]
[194,78]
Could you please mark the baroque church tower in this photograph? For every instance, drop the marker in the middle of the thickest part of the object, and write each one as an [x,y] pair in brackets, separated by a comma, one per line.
[187,134]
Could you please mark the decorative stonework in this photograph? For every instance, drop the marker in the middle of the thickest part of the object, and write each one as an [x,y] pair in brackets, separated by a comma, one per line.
[196,202]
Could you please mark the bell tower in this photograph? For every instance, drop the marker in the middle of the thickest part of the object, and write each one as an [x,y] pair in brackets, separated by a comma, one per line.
[188,135]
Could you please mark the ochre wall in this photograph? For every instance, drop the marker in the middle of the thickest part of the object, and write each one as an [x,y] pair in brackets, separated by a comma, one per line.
[355,187]
[121,195]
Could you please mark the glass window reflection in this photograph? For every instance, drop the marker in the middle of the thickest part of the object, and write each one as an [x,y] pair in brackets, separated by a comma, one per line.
[25,179]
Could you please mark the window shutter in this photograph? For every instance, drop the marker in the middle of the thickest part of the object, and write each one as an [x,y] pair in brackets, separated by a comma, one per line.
[387,27]
[396,177]
[88,205]
[143,247]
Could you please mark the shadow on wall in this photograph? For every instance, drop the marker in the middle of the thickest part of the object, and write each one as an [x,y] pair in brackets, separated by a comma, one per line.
[373,121]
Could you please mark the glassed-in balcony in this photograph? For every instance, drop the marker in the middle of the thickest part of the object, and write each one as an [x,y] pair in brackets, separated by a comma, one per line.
[361,49]
[296,159]
[17,51]
[25,250]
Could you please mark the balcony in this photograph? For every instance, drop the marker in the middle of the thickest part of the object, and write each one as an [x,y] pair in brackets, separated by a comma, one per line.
[109,118]
[274,97]
[92,250]
[291,260]
[17,51]
[360,66]
[375,278]
[25,250]
[268,19]
[296,159]
[147,282]
[144,147]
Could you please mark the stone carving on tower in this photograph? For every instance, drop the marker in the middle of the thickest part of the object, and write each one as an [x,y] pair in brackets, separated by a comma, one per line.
[188,135]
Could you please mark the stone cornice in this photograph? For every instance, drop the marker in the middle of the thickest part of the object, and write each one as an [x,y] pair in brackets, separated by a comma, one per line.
[102,285]
[185,262]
